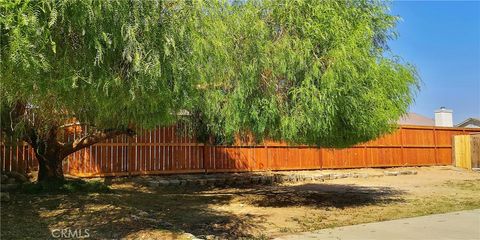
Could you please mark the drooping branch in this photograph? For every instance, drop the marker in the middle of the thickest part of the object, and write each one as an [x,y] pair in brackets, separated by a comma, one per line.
[14,117]
[93,138]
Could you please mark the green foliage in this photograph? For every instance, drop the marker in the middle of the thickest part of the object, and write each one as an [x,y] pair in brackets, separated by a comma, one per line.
[106,63]
[310,72]
[68,186]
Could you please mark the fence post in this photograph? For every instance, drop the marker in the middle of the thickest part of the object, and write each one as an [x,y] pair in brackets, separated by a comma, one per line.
[130,155]
[267,167]
[402,154]
[454,159]
[365,156]
[319,150]
[435,147]
[204,156]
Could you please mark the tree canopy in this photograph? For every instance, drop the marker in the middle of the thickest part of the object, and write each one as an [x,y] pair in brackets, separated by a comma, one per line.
[307,72]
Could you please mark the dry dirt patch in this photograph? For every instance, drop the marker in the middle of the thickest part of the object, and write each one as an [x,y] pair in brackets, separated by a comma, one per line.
[133,211]
[305,207]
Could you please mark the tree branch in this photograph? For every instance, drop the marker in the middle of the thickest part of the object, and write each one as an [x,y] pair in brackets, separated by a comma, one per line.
[93,138]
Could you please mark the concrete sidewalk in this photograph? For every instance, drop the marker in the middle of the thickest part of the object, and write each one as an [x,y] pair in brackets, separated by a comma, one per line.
[456,225]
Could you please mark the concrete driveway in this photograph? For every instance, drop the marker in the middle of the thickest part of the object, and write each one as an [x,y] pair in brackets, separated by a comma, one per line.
[455,225]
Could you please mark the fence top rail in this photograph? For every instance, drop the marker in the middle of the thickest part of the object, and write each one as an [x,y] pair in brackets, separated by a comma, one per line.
[471,131]
[439,128]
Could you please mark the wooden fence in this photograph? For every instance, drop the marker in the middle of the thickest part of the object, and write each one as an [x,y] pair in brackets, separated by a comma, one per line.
[164,151]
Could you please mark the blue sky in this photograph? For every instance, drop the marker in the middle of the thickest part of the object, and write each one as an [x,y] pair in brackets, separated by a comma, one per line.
[442,39]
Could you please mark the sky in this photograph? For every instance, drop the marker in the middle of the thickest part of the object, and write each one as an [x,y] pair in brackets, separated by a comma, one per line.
[442,39]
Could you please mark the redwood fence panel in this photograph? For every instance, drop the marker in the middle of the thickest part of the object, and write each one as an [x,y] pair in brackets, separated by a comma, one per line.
[167,150]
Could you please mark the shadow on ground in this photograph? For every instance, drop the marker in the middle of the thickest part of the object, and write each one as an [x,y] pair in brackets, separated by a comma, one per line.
[325,196]
[134,211]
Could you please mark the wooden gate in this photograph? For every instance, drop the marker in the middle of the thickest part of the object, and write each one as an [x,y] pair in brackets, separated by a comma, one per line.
[466,151]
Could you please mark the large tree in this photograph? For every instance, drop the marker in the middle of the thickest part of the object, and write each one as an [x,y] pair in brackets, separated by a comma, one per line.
[308,72]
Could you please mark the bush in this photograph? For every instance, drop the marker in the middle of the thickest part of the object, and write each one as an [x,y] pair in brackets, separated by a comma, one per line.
[67,186]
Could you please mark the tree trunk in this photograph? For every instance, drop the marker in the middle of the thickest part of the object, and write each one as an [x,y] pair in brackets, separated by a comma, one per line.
[50,152]
[50,169]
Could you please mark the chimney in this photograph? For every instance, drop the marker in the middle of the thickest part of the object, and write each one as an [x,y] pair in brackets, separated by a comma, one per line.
[443,117]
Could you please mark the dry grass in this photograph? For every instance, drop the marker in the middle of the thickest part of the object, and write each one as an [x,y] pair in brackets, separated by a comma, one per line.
[132,211]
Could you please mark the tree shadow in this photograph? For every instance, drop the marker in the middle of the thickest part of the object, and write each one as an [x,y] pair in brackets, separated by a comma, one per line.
[322,195]
[133,211]
[18,216]
[123,213]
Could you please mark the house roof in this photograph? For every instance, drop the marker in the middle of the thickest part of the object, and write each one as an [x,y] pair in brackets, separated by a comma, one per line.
[416,119]
[469,121]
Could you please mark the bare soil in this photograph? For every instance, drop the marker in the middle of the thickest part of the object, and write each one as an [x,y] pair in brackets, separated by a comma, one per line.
[133,211]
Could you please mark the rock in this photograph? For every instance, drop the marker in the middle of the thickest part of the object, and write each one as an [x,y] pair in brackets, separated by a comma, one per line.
[269,180]
[291,178]
[4,196]
[390,173]
[364,175]
[322,177]
[255,180]
[142,214]
[266,180]
[4,178]
[262,180]
[211,181]
[30,175]
[202,182]
[408,172]
[234,180]
[153,184]
[174,182]
[183,182]
[221,181]
[281,178]
[20,178]
[230,181]
[210,237]
[243,181]
[319,178]
[276,177]
[309,178]
[284,178]
[10,181]
[162,183]
[191,236]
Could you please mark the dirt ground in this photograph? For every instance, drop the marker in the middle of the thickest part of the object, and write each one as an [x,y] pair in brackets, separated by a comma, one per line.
[133,211]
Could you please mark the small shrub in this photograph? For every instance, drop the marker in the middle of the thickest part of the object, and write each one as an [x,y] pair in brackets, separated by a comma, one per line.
[68,186]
